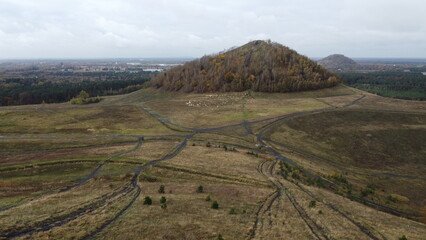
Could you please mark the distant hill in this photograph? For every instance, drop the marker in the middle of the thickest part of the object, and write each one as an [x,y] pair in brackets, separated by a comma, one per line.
[258,65]
[337,61]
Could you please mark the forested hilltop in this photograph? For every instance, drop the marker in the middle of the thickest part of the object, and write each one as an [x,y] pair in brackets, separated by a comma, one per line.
[258,65]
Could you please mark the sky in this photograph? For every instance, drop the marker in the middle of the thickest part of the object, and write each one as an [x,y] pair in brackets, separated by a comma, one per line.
[193,28]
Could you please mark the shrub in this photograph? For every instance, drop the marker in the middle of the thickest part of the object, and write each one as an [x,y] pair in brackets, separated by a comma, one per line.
[83,98]
[215,205]
[340,178]
[391,198]
[295,175]
[163,200]
[208,198]
[403,238]
[161,189]
[147,201]
[312,204]
[232,211]
[366,192]
[219,237]
[200,189]
[163,205]
[208,144]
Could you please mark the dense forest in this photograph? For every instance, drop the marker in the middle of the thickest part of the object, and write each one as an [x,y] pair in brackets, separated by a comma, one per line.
[16,91]
[404,85]
[259,66]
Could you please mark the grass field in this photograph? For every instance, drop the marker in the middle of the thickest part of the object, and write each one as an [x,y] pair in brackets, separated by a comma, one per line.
[78,172]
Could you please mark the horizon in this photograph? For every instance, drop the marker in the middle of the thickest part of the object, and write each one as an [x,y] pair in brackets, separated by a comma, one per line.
[97,29]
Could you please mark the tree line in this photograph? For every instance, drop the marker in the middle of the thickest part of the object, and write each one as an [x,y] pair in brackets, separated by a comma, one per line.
[404,85]
[21,91]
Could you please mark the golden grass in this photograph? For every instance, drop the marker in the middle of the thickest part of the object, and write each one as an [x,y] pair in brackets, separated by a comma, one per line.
[218,161]
[188,215]
[213,112]
[95,120]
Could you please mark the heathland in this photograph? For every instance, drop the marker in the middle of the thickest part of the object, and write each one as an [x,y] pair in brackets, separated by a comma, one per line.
[335,163]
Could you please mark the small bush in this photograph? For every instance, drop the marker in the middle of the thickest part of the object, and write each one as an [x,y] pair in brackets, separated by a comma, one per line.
[161,189]
[312,204]
[215,205]
[219,237]
[84,98]
[295,175]
[366,192]
[163,199]
[163,205]
[208,144]
[340,178]
[208,198]
[391,198]
[403,238]
[147,201]
[319,212]
[200,189]
[232,211]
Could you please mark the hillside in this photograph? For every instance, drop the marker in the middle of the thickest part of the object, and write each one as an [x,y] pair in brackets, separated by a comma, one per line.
[258,65]
[337,61]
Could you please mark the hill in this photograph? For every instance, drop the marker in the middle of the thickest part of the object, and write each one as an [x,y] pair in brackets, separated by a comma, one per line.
[337,61]
[258,65]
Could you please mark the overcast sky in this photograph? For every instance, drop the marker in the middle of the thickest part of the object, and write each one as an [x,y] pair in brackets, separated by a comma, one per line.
[192,28]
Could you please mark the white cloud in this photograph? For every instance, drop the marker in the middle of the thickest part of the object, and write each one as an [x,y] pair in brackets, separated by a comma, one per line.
[173,28]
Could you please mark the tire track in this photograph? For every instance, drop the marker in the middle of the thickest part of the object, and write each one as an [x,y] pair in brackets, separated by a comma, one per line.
[82,180]
[50,223]
[267,171]
[264,207]
[61,220]
[136,186]
[361,227]
[99,168]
